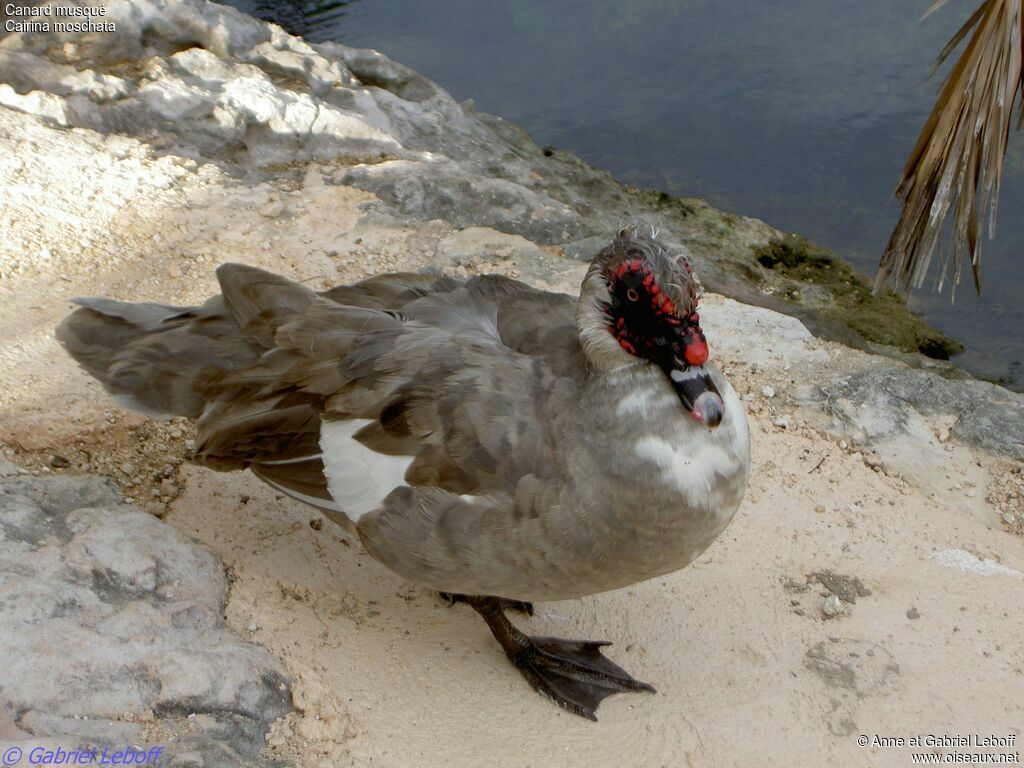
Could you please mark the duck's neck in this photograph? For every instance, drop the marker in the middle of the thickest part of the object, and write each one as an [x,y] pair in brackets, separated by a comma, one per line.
[599,345]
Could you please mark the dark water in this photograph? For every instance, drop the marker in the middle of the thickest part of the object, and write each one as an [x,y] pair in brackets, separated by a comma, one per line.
[798,112]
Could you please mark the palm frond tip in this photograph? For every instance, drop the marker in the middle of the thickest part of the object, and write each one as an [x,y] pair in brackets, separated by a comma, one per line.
[958,159]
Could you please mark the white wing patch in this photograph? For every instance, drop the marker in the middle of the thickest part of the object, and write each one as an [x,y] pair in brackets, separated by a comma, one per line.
[357,477]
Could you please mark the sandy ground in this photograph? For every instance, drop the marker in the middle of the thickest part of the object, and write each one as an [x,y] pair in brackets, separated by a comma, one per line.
[749,669]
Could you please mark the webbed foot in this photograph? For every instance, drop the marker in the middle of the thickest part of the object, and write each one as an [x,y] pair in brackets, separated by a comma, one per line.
[572,673]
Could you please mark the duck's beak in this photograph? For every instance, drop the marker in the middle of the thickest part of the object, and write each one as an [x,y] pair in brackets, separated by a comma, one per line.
[698,395]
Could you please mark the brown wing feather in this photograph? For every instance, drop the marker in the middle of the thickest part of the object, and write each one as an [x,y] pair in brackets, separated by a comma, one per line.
[449,371]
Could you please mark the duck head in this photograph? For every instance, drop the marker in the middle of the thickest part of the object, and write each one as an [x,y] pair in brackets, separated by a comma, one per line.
[638,305]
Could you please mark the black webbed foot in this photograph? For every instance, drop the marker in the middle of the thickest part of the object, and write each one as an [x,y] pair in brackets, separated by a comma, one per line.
[572,673]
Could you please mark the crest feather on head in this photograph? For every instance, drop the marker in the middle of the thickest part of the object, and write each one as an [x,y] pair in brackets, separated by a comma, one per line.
[673,271]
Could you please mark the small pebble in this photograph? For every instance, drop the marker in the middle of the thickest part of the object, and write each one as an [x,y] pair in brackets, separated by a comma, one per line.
[913,613]
[767,391]
[272,210]
[832,607]
[156,509]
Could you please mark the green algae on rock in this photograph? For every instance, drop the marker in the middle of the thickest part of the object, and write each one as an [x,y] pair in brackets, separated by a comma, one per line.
[882,318]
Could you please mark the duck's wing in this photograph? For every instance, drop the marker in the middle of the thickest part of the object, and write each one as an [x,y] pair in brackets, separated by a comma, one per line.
[401,380]
[524,319]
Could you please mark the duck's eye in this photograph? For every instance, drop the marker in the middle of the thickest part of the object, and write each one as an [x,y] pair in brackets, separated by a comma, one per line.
[631,294]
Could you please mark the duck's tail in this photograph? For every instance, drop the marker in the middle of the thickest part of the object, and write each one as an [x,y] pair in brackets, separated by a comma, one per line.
[150,355]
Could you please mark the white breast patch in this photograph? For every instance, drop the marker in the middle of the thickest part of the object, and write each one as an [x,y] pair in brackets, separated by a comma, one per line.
[693,462]
[643,402]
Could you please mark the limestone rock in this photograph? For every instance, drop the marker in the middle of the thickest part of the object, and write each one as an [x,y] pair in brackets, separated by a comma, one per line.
[112,614]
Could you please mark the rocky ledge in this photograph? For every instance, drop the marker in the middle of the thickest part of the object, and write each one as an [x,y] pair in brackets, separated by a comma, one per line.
[204,81]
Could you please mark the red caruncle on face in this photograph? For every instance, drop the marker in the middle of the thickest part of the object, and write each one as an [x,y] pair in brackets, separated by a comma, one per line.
[647,323]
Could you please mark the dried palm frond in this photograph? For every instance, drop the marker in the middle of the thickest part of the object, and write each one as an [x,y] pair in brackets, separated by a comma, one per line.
[958,159]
